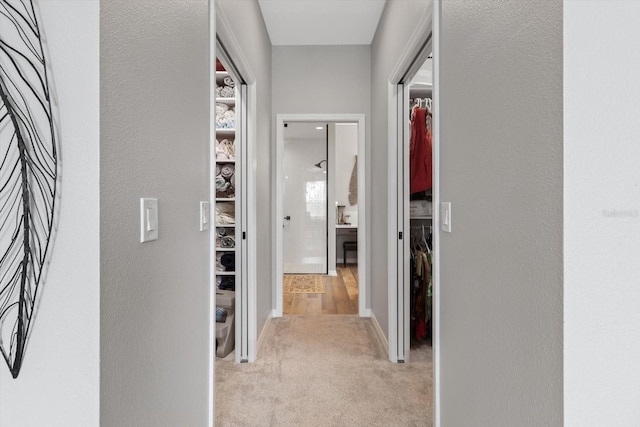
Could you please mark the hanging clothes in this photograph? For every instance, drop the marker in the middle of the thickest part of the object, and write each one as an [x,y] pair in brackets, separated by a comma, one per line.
[420,152]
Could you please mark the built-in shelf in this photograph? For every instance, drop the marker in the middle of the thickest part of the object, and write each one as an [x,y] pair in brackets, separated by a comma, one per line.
[228,202]
[422,217]
[421,90]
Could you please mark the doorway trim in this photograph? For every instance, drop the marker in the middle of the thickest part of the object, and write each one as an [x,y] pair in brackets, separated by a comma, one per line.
[246,304]
[426,37]
[277,194]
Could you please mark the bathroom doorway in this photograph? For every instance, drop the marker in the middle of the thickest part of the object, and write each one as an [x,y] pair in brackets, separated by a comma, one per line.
[320,205]
[320,223]
[305,165]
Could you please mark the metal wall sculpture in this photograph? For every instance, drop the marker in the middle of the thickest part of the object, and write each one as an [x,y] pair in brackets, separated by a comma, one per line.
[28,175]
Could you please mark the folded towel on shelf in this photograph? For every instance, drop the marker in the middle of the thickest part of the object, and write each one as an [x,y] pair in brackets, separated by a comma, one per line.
[225,213]
[218,168]
[222,185]
[227,283]
[228,260]
[231,191]
[224,150]
[226,120]
[221,108]
[228,81]
[227,92]
[227,171]
[225,242]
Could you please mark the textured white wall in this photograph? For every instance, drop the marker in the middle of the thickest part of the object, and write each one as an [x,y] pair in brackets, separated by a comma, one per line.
[154,347]
[394,31]
[59,381]
[602,213]
[501,168]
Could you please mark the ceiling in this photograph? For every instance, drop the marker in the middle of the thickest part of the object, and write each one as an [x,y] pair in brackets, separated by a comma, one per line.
[321,22]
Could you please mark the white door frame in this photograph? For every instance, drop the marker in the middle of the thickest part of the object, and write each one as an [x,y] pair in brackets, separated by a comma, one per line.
[246,304]
[426,37]
[277,195]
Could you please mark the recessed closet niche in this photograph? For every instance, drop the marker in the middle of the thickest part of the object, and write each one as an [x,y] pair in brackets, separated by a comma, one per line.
[225,207]
[420,208]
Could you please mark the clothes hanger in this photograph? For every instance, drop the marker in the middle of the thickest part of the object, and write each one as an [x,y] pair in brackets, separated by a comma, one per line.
[424,241]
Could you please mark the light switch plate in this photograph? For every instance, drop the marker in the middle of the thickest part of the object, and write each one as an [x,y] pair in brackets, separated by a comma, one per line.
[445,215]
[204,216]
[148,219]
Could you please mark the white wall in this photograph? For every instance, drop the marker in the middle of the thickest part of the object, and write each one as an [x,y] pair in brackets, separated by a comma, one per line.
[602,213]
[399,18]
[155,331]
[501,168]
[59,381]
[321,79]
[245,19]
[345,160]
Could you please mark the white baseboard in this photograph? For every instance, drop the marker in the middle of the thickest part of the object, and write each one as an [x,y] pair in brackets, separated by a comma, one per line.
[263,333]
[333,273]
[382,339]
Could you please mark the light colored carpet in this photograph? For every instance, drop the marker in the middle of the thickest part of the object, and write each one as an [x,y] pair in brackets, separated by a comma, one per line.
[303,284]
[324,370]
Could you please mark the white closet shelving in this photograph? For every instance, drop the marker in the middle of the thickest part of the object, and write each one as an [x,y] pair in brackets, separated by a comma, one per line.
[227,209]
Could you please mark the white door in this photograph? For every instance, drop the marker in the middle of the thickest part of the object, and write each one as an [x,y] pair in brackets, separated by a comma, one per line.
[305,198]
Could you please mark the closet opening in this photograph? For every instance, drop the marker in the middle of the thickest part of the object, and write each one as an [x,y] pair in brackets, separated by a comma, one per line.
[228,209]
[419,276]
[414,217]
[320,205]
[233,229]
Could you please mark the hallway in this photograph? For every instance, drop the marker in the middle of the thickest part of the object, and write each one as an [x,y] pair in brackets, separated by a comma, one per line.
[324,371]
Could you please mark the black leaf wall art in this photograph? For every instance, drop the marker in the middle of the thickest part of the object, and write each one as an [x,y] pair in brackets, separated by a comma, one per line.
[28,175]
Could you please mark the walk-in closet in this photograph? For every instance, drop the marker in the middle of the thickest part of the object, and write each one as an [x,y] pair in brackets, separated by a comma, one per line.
[420,207]
[229,182]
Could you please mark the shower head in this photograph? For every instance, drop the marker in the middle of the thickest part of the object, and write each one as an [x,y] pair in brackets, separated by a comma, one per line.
[319,164]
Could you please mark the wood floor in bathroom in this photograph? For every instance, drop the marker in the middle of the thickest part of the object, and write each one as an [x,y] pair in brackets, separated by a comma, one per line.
[340,297]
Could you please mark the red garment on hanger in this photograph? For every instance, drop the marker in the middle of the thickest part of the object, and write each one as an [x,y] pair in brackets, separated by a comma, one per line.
[420,153]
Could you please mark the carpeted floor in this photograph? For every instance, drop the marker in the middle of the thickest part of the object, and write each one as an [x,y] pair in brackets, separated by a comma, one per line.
[324,370]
